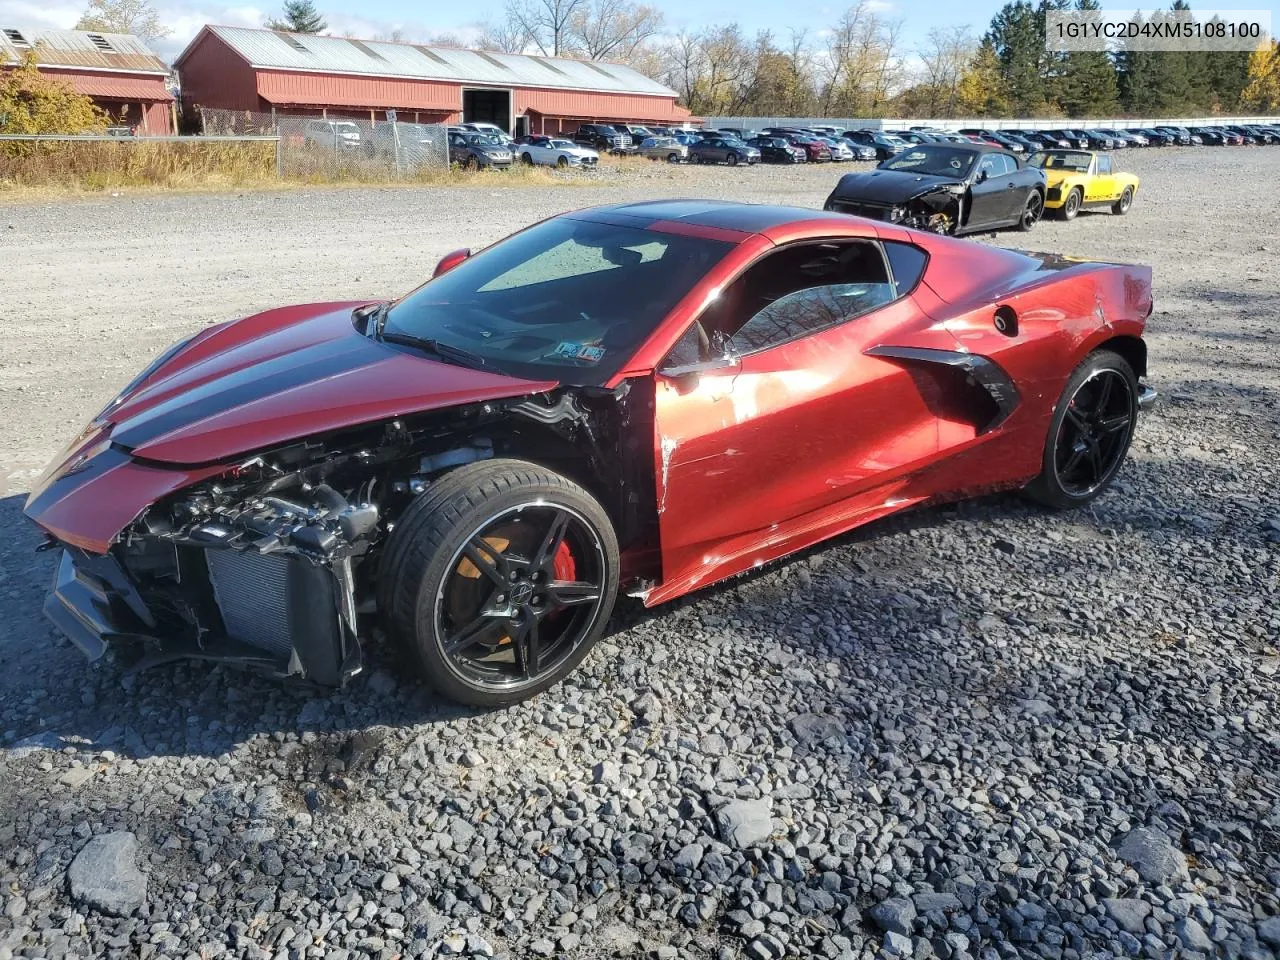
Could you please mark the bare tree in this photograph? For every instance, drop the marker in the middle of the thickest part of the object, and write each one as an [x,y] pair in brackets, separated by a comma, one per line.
[613,29]
[946,55]
[684,65]
[860,61]
[137,17]
[503,36]
[545,23]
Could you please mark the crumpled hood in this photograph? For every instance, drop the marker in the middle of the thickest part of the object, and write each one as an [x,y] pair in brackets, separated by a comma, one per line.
[282,375]
[888,186]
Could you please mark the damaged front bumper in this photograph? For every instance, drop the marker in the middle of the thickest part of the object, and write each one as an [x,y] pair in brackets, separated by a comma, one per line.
[284,615]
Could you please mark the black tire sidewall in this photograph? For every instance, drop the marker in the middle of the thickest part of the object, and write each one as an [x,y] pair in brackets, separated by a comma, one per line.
[1023,225]
[1045,487]
[1071,209]
[455,520]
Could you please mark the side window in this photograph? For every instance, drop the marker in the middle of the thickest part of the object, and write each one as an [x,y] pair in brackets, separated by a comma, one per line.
[988,165]
[1104,165]
[798,291]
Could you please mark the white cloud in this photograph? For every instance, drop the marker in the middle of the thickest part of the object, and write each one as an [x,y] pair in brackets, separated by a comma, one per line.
[186,19]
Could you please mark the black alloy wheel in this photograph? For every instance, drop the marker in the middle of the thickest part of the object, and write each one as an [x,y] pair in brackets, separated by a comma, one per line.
[1089,433]
[521,595]
[501,577]
[1032,211]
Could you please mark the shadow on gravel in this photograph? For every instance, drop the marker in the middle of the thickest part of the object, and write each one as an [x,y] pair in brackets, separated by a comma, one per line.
[199,708]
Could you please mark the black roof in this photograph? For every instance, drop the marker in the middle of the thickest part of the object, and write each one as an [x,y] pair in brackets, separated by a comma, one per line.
[723,214]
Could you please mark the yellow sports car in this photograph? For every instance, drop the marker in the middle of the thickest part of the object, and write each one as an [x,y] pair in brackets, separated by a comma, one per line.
[1080,179]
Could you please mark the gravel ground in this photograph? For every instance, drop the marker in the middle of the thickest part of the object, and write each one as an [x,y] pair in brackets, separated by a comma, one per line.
[978,731]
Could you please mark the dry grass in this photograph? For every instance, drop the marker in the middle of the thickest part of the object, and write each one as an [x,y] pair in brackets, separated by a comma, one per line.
[50,168]
[105,165]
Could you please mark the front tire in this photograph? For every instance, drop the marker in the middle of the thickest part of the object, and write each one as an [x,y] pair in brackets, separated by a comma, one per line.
[1089,432]
[562,162]
[732,159]
[1072,205]
[1121,206]
[501,578]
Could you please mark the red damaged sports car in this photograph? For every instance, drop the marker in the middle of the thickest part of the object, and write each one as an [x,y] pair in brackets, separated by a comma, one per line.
[648,397]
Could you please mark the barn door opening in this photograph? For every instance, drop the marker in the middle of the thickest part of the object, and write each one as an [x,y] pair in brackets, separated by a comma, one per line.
[487,106]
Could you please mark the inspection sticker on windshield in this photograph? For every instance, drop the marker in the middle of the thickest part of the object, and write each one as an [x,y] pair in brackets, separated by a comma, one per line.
[579,351]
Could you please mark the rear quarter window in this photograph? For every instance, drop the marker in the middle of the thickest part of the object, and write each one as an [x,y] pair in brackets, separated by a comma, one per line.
[906,263]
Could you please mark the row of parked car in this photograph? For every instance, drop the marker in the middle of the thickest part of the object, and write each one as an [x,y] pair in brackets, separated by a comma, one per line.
[486,145]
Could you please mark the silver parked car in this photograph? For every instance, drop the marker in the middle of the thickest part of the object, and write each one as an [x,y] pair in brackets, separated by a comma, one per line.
[554,152]
[663,148]
[331,134]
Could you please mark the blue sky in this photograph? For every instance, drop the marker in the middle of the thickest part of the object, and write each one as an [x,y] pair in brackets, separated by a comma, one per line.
[367,18]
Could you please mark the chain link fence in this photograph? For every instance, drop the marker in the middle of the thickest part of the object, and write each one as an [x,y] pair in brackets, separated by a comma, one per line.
[340,147]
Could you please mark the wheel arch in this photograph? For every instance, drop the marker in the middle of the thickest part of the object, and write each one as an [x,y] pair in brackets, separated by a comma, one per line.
[1132,349]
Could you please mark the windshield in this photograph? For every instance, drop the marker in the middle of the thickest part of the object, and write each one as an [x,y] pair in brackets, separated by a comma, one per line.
[566,299]
[933,160]
[562,144]
[1061,160]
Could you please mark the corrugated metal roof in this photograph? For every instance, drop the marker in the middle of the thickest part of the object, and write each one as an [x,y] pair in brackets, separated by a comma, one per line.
[82,49]
[288,51]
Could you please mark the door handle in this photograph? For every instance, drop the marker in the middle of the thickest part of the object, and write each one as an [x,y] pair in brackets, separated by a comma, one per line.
[1012,185]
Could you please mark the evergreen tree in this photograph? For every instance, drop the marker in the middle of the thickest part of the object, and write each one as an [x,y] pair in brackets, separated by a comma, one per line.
[1017,37]
[300,16]
[1087,85]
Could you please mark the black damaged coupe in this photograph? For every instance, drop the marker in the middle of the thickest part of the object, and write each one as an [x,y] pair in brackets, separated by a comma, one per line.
[946,188]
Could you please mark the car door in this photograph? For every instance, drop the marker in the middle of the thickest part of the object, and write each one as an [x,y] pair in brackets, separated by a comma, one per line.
[990,199]
[802,431]
[1102,186]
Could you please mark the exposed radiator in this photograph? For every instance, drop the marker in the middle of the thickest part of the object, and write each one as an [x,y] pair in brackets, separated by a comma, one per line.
[252,591]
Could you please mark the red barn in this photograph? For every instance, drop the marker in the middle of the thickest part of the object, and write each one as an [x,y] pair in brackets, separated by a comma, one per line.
[115,70]
[267,71]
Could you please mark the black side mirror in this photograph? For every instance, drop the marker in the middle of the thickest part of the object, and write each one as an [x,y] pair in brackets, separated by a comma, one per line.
[982,175]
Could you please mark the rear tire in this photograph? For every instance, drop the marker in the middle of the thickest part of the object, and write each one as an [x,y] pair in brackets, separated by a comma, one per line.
[468,570]
[1089,432]
[526,159]
[1121,206]
[1032,212]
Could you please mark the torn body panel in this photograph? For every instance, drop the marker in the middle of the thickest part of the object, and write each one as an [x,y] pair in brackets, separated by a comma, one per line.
[265,562]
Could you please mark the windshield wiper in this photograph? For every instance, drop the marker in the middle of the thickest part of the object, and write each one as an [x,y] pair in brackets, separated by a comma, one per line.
[445,351]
